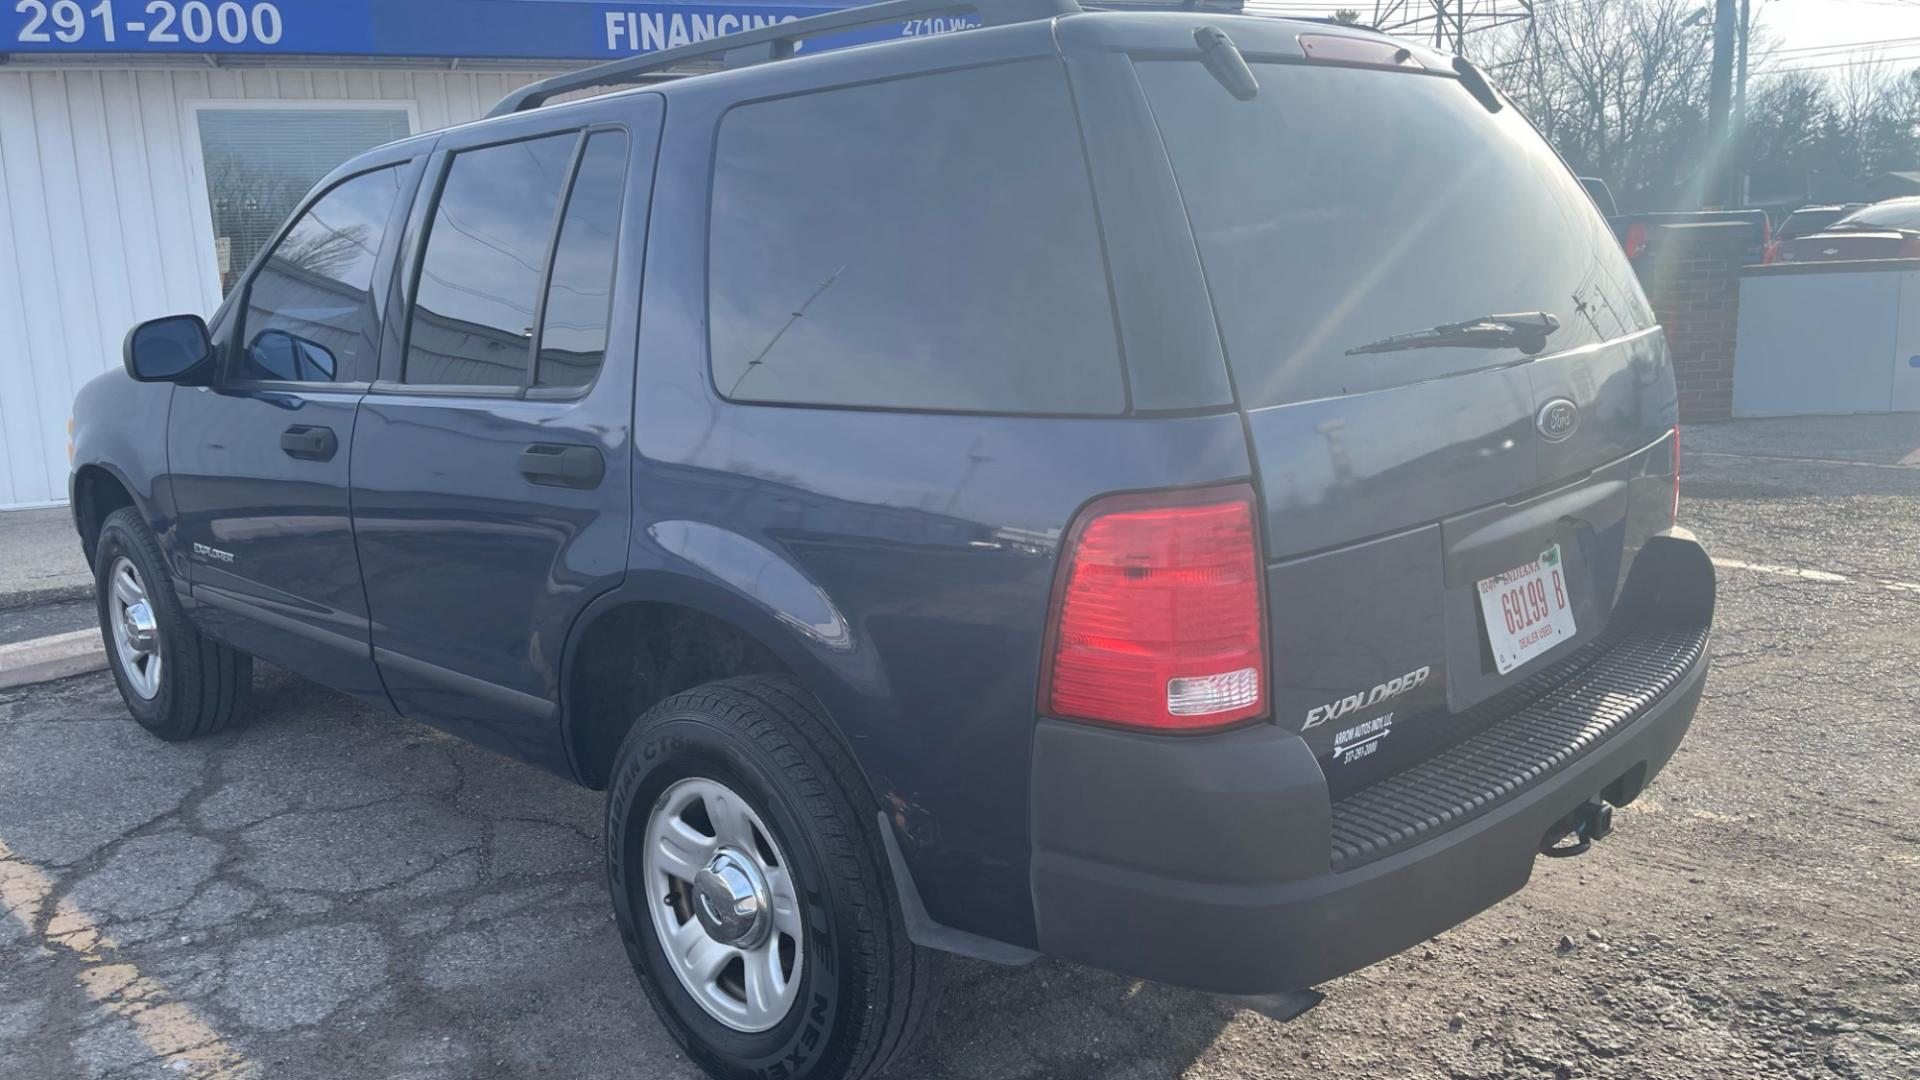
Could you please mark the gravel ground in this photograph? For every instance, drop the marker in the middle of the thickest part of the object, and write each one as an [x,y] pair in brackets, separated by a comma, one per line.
[334,893]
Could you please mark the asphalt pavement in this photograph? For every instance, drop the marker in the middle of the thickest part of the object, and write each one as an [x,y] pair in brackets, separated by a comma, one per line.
[333,892]
[40,559]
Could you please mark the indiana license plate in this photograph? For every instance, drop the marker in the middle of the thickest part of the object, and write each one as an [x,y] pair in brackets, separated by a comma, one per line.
[1527,610]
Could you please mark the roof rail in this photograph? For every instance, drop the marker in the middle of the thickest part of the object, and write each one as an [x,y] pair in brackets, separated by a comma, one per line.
[775,42]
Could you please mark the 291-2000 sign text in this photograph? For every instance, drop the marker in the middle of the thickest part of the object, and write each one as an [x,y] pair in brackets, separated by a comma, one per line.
[162,22]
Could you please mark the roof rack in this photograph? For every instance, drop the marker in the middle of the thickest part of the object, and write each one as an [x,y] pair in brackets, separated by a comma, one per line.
[775,42]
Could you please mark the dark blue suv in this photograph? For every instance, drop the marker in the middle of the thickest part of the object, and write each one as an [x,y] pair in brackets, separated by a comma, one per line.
[1188,494]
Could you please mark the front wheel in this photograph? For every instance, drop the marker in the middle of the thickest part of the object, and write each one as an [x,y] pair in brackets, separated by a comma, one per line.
[179,683]
[752,891]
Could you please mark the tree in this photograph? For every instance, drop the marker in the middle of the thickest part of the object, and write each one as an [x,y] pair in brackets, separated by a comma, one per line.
[1873,122]
[1618,86]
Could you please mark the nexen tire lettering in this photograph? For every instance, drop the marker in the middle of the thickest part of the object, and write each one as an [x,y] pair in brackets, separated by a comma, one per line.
[1392,688]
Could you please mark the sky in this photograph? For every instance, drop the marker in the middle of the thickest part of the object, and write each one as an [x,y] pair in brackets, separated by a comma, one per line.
[1811,34]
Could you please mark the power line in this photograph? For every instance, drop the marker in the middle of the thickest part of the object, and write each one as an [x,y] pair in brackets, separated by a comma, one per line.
[1914,59]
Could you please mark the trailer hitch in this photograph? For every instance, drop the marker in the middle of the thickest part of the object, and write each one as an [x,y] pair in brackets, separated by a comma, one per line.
[1591,820]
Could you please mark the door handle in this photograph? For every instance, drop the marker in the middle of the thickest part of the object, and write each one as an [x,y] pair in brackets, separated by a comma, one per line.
[310,443]
[563,466]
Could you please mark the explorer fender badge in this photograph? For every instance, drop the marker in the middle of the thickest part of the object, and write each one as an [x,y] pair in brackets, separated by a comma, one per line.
[1392,688]
[213,554]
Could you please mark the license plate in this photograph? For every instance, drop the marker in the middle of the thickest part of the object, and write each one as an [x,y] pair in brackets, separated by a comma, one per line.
[1527,610]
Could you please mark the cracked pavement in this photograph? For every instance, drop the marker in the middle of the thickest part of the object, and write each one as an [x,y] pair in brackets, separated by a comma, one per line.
[333,892]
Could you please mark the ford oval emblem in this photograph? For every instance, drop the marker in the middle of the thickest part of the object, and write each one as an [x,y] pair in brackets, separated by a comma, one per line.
[1557,420]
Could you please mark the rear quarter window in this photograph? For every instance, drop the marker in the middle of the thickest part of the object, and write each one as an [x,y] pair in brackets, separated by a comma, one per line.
[923,243]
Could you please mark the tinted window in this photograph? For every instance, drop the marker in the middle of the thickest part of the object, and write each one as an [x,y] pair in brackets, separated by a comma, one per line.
[924,243]
[1807,222]
[1342,205]
[310,314]
[486,254]
[573,326]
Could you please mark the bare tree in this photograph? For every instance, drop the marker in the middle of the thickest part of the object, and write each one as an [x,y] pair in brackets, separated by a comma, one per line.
[1617,85]
[1873,119]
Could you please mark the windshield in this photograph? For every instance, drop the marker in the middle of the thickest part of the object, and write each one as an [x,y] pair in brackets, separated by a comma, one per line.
[1897,214]
[1342,206]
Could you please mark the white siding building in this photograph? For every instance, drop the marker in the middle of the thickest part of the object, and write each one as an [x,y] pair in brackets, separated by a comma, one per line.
[107,216]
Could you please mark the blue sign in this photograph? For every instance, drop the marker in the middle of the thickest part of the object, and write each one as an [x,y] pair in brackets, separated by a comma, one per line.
[519,29]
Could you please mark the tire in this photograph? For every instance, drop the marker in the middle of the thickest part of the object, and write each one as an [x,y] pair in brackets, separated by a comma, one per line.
[863,989]
[198,686]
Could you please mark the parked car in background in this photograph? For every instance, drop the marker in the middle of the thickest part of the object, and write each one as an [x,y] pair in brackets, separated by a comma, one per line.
[1056,490]
[1806,221]
[1884,230]
[1602,195]
[1637,232]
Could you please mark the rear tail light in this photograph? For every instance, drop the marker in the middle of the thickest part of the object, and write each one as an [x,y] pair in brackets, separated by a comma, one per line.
[1158,621]
[1771,255]
[1636,240]
[1676,474]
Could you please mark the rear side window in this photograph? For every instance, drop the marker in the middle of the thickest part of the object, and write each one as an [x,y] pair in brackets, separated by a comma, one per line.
[926,243]
[486,256]
[310,315]
[1344,205]
[573,323]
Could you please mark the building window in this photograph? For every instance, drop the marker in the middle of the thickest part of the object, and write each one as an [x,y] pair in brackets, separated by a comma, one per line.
[260,161]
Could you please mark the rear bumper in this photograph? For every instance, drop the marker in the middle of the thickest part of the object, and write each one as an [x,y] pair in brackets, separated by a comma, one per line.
[1211,932]
[1218,863]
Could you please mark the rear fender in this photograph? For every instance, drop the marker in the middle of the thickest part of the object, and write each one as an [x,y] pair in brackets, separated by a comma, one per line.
[731,578]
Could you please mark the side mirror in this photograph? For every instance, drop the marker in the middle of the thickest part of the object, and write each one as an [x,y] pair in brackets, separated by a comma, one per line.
[276,354]
[162,350]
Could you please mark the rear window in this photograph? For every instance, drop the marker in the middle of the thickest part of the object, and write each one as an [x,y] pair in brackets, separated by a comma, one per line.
[926,243]
[1807,222]
[1343,205]
[1902,214]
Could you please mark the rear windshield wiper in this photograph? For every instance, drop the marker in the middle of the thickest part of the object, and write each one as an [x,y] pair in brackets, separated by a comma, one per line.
[1527,331]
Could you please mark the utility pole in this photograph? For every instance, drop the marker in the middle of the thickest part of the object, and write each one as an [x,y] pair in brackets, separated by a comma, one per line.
[1719,96]
[1737,144]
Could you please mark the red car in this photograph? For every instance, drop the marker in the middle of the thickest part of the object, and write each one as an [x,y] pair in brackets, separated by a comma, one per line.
[1885,230]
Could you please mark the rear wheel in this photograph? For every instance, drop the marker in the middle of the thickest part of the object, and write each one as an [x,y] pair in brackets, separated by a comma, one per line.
[752,891]
[177,682]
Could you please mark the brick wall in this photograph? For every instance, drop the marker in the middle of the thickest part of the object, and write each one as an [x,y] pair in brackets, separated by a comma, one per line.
[1692,274]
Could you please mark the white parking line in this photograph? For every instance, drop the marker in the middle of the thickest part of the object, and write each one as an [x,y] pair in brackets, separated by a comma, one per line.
[1824,576]
[1911,461]
[1783,571]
